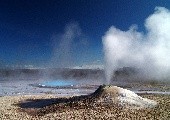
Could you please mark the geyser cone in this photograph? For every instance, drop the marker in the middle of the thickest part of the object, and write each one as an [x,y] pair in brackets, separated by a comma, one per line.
[115,95]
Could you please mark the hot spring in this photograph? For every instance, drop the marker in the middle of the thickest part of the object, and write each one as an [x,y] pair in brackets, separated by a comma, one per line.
[58,82]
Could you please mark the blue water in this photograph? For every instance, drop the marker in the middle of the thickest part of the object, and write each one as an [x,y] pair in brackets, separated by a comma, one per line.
[58,82]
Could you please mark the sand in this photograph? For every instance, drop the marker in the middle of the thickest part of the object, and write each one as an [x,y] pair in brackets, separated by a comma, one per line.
[45,107]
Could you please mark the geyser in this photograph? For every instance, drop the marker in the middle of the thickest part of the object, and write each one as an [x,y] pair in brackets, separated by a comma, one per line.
[148,52]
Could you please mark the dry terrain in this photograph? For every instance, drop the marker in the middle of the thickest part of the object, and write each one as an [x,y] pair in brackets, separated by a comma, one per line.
[45,107]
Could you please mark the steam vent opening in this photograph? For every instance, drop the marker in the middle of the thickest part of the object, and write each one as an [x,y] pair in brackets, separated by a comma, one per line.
[108,94]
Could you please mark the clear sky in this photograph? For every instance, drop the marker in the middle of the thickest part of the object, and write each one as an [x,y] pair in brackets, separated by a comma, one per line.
[27,27]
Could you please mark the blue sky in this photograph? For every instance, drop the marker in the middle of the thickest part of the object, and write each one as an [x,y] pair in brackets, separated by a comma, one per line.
[27,27]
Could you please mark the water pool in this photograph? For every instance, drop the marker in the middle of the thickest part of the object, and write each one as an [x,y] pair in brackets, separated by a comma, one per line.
[58,82]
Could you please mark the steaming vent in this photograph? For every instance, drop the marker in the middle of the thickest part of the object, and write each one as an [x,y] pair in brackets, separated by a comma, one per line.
[121,97]
[147,51]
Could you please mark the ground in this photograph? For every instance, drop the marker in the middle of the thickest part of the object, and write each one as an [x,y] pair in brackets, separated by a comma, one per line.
[11,108]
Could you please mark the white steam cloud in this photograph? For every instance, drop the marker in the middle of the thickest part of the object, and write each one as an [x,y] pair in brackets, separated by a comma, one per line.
[149,52]
[64,44]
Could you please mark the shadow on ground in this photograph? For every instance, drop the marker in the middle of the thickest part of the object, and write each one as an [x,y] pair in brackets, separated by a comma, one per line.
[38,103]
[41,103]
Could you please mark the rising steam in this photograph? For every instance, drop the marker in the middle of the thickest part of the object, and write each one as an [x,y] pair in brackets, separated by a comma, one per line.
[63,46]
[148,52]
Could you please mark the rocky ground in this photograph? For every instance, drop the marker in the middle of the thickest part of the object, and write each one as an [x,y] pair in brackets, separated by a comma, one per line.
[45,107]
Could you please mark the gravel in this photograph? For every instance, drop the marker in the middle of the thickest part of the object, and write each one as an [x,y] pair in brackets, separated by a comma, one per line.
[69,108]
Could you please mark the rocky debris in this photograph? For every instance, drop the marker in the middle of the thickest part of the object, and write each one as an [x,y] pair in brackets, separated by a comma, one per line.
[10,111]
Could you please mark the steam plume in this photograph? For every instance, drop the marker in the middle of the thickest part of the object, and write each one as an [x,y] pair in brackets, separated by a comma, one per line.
[149,52]
[63,45]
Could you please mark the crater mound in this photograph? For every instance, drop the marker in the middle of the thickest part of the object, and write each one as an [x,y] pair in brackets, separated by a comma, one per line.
[106,94]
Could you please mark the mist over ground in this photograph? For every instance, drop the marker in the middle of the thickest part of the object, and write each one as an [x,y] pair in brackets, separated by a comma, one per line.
[149,52]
